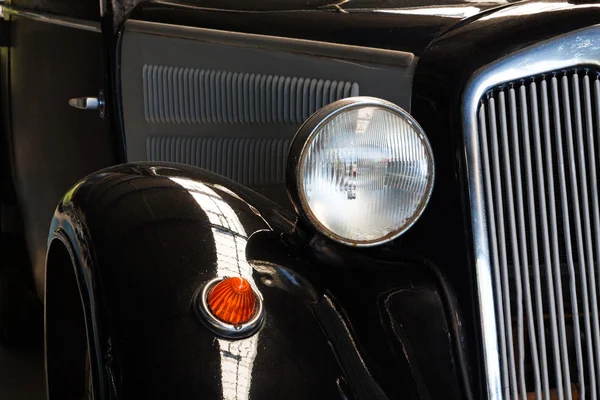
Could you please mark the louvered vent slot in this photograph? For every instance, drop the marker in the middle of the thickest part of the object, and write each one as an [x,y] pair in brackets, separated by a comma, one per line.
[197,96]
[539,141]
[249,161]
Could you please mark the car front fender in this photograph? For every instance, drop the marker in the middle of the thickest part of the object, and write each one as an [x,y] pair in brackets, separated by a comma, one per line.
[143,239]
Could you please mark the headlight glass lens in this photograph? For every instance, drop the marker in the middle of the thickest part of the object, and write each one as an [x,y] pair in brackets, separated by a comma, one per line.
[366,174]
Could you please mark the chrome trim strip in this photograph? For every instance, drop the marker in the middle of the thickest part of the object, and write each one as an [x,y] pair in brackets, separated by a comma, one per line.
[580,47]
[102,6]
[76,23]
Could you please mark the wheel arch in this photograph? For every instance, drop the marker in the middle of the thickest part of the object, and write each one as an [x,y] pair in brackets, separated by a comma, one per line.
[71,349]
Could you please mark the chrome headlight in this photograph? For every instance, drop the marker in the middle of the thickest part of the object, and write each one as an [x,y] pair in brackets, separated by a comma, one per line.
[361,171]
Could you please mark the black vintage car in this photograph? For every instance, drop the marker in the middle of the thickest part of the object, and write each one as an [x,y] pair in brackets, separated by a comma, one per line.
[304,199]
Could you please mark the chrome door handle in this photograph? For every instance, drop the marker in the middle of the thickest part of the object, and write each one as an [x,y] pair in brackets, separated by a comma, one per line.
[85,103]
[89,103]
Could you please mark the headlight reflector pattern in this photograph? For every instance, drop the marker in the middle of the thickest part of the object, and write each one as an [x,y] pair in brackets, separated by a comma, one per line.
[365,172]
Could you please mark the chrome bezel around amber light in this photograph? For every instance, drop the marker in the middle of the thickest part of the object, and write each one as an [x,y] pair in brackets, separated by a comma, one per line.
[297,156]
[221,328]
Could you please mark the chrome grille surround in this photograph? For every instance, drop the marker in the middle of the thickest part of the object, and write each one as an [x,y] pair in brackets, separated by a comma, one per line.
[578,48]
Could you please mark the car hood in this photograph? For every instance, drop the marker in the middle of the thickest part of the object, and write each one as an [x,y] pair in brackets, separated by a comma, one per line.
[406,25]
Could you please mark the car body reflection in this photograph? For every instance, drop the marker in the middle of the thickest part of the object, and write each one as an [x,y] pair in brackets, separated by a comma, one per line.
[237,357]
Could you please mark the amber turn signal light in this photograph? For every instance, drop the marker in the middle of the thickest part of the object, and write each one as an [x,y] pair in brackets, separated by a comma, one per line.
[232,301]
[230,307]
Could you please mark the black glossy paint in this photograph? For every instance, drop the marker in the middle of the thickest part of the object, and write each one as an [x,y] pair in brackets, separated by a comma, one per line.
[340,6]
[51,144]
[403,26]
[339,324]
[84,9]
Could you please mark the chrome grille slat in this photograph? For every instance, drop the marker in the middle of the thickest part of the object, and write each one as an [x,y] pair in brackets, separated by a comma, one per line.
[595,182]
[538,146]
[537,138]
[556,269]
[529,184]
[522,263]
[566,217]
[504,134]
[595,211]
[501,237]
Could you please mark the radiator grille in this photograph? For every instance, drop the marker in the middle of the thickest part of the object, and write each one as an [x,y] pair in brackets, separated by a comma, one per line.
[197,96]
[249,161]
[538,143]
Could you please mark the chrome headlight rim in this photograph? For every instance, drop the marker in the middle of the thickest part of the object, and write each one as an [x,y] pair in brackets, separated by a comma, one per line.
[298,152]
